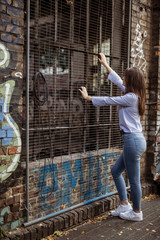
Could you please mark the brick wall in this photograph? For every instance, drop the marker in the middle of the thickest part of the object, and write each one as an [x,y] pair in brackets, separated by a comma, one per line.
[68,181]
[145,36]
[141,56]
[11,90]
[153,158]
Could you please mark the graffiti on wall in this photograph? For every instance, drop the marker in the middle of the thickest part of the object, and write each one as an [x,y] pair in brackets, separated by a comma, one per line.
[56,186]
[6,212]
[155,169]
[4,56]
[137,49]
[10,139]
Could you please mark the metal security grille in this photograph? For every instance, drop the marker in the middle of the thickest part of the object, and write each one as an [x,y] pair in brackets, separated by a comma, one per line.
[65,38]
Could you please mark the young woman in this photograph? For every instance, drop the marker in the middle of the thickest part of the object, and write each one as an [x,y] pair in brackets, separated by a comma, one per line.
[130,107]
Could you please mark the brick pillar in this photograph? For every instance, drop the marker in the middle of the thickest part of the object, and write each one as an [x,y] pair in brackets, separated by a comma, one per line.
[154,91]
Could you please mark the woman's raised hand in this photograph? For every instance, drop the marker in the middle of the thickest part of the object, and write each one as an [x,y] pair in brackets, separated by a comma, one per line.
[102,60]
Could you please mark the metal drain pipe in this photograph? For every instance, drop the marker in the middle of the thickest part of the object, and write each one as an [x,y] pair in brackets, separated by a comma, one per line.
[27,109]
[129,34]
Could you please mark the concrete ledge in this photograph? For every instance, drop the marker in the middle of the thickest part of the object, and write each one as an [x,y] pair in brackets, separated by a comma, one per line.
[74,217]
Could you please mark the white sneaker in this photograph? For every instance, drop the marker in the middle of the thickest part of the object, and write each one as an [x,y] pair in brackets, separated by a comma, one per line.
[132,216]
[121,209]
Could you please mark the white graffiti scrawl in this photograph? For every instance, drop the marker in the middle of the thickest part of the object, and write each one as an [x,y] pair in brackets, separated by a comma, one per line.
[137,49]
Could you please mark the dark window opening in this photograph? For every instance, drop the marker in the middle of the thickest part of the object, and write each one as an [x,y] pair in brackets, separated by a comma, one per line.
[66,37]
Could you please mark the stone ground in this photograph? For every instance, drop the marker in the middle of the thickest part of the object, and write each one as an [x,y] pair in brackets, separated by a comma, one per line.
[113,228]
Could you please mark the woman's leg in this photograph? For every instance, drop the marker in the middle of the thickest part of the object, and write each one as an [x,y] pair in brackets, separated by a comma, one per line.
[134,146]
[117,171]
[133,172]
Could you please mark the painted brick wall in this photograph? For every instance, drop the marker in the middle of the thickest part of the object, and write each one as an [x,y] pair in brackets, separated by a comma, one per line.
[69,181]
[141,47]
[11,90]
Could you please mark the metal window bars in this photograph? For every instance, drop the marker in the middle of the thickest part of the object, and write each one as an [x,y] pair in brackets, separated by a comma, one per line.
[65,38]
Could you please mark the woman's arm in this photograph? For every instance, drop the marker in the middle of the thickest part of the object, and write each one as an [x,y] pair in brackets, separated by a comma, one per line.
[102,60]
[113,76]
[127,100]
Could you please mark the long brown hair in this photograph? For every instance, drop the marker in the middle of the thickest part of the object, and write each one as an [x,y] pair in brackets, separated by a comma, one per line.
[135,83]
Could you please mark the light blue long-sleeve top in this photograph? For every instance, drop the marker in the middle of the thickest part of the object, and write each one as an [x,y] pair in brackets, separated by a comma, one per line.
[129,118]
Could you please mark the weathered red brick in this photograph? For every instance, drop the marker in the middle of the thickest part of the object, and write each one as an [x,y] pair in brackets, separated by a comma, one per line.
[9,201]
[17,198]
[2,203]
[15,207]
[3,151]
[12,150]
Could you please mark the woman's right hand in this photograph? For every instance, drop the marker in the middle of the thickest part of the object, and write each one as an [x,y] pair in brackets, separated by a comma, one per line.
[84,93]
[103,61]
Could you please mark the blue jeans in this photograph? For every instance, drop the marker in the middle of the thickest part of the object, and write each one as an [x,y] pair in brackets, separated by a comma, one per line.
[134,147]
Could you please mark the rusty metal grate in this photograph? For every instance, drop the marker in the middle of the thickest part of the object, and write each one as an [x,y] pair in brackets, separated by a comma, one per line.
[65,38]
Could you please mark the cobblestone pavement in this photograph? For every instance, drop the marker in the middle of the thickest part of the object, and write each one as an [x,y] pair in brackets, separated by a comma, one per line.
[113,228]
